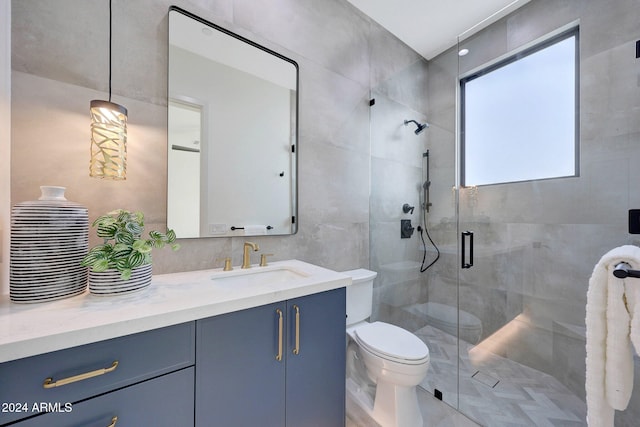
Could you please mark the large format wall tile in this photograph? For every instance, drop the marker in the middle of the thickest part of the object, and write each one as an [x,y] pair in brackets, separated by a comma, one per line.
[330,33]
[60,63]
[563,226]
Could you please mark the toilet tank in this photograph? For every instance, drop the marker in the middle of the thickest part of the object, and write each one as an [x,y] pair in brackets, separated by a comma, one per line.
[359,295]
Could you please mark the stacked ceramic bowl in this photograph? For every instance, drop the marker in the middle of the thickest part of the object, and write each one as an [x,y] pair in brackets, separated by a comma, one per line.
[49,239]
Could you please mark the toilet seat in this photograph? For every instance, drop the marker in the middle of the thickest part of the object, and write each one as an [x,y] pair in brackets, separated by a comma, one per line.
[392,343]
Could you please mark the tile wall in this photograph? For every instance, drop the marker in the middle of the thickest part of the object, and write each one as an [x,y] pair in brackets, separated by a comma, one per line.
[537,242]
[59,63]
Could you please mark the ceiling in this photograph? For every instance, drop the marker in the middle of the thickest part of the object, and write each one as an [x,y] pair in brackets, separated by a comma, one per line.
[432,26]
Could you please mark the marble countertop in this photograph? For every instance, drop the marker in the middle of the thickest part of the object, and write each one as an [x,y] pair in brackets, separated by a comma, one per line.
[31,329]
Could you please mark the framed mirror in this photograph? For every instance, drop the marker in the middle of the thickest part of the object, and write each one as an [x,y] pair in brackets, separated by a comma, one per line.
[232,133]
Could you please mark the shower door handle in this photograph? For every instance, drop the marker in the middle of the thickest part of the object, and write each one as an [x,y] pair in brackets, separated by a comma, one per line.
[464,263]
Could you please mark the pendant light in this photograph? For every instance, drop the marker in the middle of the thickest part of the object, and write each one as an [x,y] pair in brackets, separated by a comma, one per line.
[108,134]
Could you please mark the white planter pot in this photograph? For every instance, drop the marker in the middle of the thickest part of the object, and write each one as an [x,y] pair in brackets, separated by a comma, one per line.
[109,282]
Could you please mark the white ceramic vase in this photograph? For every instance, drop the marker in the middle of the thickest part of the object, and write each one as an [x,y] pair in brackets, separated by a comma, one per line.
[49,239]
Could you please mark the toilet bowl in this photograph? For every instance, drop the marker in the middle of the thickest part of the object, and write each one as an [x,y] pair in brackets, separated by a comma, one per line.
[386,358]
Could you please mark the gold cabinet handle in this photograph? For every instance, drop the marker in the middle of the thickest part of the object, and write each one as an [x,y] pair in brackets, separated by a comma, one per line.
[114,420]
[280,327]
[50,383]
[296,349]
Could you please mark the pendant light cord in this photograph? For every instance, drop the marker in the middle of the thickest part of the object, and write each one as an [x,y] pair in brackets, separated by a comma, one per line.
[110,19]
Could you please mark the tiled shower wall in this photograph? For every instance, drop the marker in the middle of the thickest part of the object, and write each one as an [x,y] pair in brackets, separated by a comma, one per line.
[537,242]
[60,63]
[396,170]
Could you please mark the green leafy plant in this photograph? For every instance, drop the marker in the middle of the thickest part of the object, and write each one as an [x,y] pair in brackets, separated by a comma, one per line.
[124,248]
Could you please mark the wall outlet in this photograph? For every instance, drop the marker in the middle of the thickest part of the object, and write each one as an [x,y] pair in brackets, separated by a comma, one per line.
[217,229]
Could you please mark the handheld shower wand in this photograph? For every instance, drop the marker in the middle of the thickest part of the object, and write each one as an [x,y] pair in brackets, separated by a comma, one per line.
[426,185]
[426,204]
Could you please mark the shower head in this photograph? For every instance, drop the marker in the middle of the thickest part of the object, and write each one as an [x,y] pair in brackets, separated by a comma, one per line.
[419,126]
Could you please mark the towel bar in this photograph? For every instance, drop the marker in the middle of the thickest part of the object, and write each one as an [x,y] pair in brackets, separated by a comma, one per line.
[623,270]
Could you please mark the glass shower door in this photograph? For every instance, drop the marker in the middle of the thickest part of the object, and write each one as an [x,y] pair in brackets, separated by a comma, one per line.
[521,317]
[439,245]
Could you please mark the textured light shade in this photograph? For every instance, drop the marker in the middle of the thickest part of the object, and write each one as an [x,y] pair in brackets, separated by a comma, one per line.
[108,140]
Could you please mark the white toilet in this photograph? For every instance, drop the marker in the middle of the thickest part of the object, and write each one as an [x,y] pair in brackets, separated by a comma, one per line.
[384,357]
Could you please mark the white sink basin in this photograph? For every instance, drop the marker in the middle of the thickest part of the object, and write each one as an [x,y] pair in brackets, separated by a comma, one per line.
[258,276]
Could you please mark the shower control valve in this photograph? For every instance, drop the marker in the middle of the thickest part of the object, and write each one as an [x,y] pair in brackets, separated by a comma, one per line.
[406,229]
[407,209]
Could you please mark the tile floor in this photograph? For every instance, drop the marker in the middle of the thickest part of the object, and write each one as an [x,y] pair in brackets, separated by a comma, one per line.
[494,391]
[435,413]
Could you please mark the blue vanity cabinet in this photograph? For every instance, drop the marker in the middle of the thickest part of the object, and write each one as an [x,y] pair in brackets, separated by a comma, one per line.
[70,376]
[251,369]
[239,382]
[166,401]
[315,377]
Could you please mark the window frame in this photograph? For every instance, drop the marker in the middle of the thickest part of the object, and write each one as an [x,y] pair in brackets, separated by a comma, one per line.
[509,59]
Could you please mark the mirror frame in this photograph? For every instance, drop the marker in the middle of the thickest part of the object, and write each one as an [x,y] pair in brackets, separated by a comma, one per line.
[294,143]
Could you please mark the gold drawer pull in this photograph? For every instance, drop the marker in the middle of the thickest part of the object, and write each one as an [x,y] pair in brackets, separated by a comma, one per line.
[114,420]
[280,327]
[49,383]
[296,349]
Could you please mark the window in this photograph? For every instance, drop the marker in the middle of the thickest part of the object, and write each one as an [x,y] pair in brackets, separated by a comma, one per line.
[520,116]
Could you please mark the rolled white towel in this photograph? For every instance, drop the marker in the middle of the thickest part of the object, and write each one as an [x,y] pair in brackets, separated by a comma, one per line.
[612,324]
[619,355]
[633,299]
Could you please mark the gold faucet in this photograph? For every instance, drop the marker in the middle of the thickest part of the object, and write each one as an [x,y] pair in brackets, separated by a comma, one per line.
[227,263]
[246,258]
[263,259]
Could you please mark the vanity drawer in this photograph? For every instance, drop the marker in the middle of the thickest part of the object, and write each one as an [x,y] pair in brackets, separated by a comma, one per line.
[166,401]
[85,371]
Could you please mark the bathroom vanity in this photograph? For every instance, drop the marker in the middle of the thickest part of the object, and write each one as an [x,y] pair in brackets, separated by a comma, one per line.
[263,346]
[246,378]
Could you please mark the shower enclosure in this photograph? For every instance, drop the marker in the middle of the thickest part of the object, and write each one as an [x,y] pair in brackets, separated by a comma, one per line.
[506,335]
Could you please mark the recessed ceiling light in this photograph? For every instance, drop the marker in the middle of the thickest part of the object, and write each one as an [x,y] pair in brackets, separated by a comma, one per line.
[463,52]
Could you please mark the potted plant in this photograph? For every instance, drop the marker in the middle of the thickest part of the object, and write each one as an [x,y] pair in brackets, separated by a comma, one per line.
[122,263]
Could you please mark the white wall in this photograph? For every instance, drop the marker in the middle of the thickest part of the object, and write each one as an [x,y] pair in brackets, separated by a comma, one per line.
[5,141]
[183,183]
[252,191]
